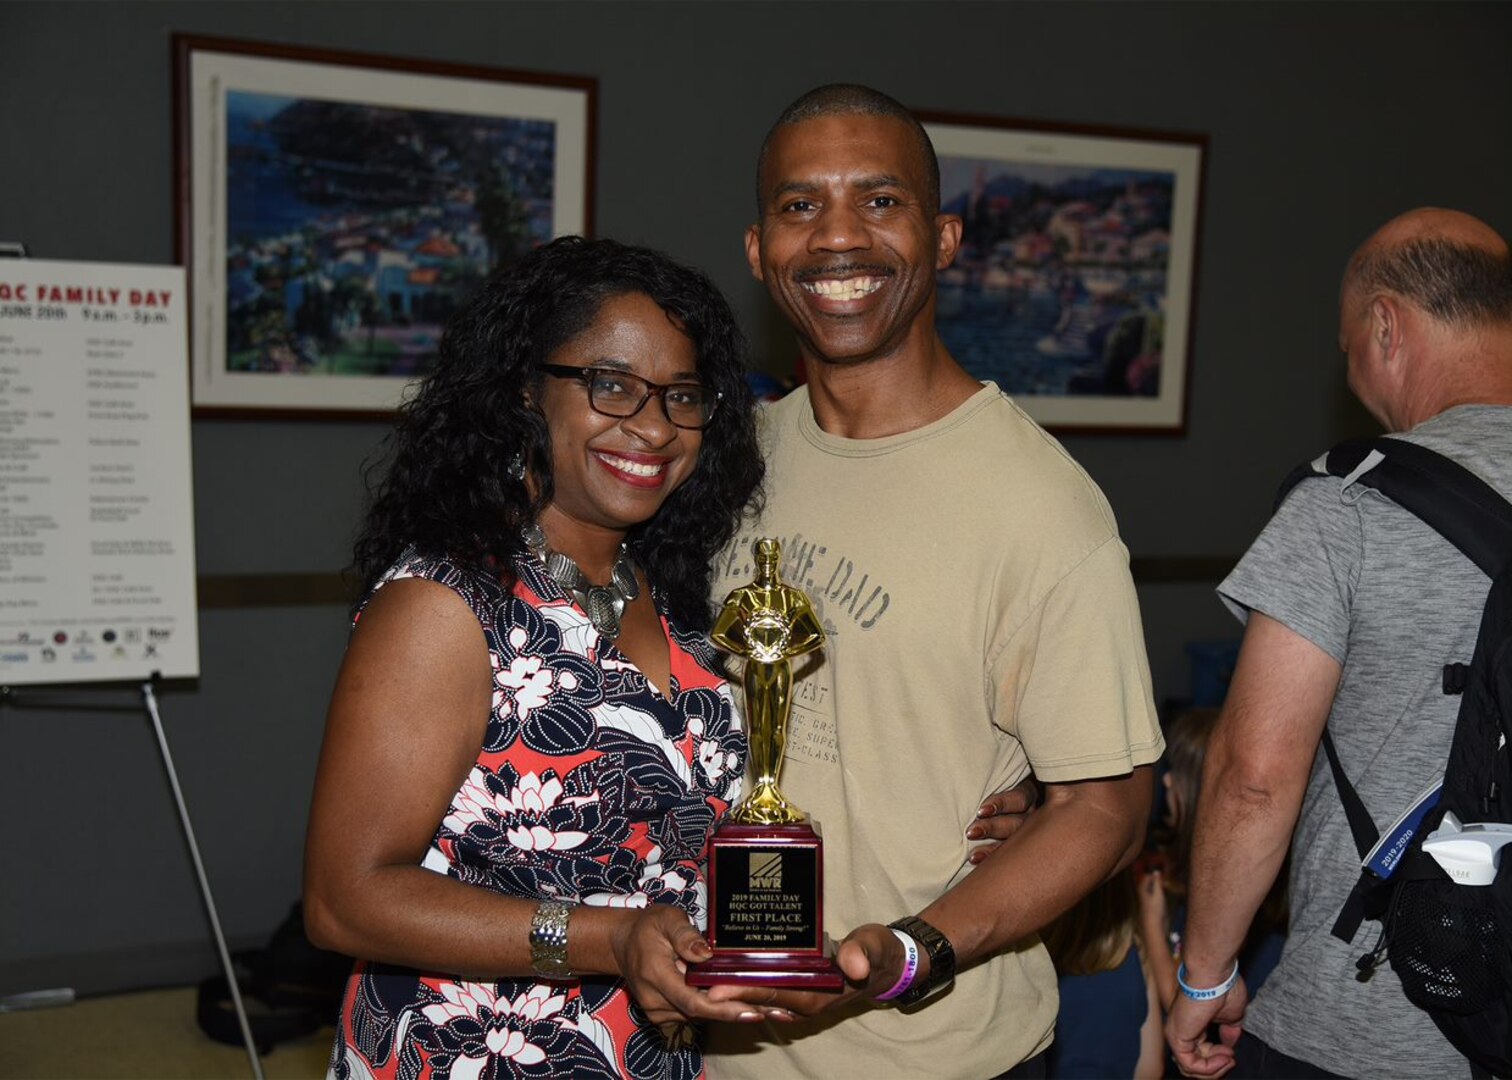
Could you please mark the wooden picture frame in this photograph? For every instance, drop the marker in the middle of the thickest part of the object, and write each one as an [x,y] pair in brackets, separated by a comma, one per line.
[334,208]
[1075,285]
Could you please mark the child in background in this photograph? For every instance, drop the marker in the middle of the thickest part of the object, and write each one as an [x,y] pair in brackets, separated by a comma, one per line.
[1163,886]
[1110,1019]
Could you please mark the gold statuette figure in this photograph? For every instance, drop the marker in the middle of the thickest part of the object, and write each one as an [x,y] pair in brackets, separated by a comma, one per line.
[769,624]
[766,860]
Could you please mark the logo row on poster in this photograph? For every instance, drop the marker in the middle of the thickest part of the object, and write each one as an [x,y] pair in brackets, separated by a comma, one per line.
[84,647]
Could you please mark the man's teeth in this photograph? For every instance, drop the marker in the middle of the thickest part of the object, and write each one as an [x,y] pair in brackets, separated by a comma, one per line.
[634,468]
[847,289]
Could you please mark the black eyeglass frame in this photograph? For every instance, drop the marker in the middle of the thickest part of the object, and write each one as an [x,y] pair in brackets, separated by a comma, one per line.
[586,375]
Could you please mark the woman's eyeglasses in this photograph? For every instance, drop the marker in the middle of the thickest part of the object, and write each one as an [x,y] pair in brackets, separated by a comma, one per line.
[620,394]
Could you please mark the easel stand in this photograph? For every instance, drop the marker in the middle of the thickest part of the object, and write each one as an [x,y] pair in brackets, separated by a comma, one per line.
[9,695]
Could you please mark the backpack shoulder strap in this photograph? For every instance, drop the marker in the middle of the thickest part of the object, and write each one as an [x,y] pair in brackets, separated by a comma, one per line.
[1451,500]
[1448,497]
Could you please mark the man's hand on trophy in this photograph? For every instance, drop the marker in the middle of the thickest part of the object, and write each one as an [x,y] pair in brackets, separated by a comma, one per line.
[1001,815]
[652,949]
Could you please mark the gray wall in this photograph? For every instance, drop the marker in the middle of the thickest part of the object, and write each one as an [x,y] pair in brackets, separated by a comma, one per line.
[1324,120]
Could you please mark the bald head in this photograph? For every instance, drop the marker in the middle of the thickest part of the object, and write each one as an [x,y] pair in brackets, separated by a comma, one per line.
[1425,317]
[1453,266]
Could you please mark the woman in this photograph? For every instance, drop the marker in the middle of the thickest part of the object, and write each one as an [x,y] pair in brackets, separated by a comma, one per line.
[1110,1020]
[529,740]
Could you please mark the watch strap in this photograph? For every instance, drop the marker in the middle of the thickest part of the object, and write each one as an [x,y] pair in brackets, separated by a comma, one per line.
[937,947]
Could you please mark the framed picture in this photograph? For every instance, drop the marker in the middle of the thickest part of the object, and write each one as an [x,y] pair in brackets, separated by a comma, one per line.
[1074,285]
[334,209]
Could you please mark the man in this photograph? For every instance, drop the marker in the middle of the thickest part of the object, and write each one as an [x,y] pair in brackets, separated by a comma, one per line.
[1353,607]
[980,622]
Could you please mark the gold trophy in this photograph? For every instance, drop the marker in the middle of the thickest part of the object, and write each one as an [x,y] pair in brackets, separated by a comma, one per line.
[766,863]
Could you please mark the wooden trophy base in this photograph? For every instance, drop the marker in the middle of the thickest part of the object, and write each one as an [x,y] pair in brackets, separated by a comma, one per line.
[787,973]
[766,910]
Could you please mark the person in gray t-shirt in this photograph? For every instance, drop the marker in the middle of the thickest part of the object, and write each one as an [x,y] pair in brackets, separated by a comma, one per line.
[1352,607]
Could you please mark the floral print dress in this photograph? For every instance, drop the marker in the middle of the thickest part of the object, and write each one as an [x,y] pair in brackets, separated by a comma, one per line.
[591,786]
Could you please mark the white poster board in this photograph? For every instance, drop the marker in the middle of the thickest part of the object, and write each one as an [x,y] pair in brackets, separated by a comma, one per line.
[96,506]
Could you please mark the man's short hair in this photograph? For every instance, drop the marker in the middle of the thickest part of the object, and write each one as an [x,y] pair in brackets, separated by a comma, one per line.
[1462,284]
[850,99]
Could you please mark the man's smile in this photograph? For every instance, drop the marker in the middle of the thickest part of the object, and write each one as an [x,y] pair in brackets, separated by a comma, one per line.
[843,288]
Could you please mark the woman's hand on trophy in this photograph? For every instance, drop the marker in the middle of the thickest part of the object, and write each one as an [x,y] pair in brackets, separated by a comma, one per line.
[1001,815]
[652,948]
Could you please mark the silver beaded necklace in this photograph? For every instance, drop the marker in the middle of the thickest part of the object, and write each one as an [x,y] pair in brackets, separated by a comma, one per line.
[603,604]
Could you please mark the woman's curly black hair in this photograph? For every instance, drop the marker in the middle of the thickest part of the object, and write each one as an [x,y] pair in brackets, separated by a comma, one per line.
[447,487]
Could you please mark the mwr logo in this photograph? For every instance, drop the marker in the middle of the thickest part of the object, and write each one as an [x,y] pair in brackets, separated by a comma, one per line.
[766,870]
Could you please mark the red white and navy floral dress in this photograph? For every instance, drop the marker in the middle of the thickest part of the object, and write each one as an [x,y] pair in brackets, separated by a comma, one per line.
[590,786]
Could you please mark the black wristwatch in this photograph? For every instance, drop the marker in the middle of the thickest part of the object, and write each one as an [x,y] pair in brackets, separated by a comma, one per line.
[941,958]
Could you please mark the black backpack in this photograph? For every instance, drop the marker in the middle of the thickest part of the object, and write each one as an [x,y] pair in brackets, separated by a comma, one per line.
[1450,944]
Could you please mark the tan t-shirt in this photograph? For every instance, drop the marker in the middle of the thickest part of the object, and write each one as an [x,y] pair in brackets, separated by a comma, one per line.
[981,622]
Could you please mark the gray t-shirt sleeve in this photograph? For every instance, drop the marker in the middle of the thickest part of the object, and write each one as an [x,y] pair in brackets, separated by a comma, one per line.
[1303,568]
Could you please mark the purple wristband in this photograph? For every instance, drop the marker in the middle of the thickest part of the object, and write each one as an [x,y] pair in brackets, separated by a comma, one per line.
[910,967]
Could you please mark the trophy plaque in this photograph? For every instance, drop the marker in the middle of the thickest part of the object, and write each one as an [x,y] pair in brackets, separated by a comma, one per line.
[766,862]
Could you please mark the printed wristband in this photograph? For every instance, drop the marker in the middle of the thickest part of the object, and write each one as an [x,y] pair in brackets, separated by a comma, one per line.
[934,945]
[910,967]
[1211,992]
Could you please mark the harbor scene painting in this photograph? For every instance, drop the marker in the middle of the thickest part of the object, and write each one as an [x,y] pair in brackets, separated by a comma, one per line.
[354,231]
[336,208]
[1070,288]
